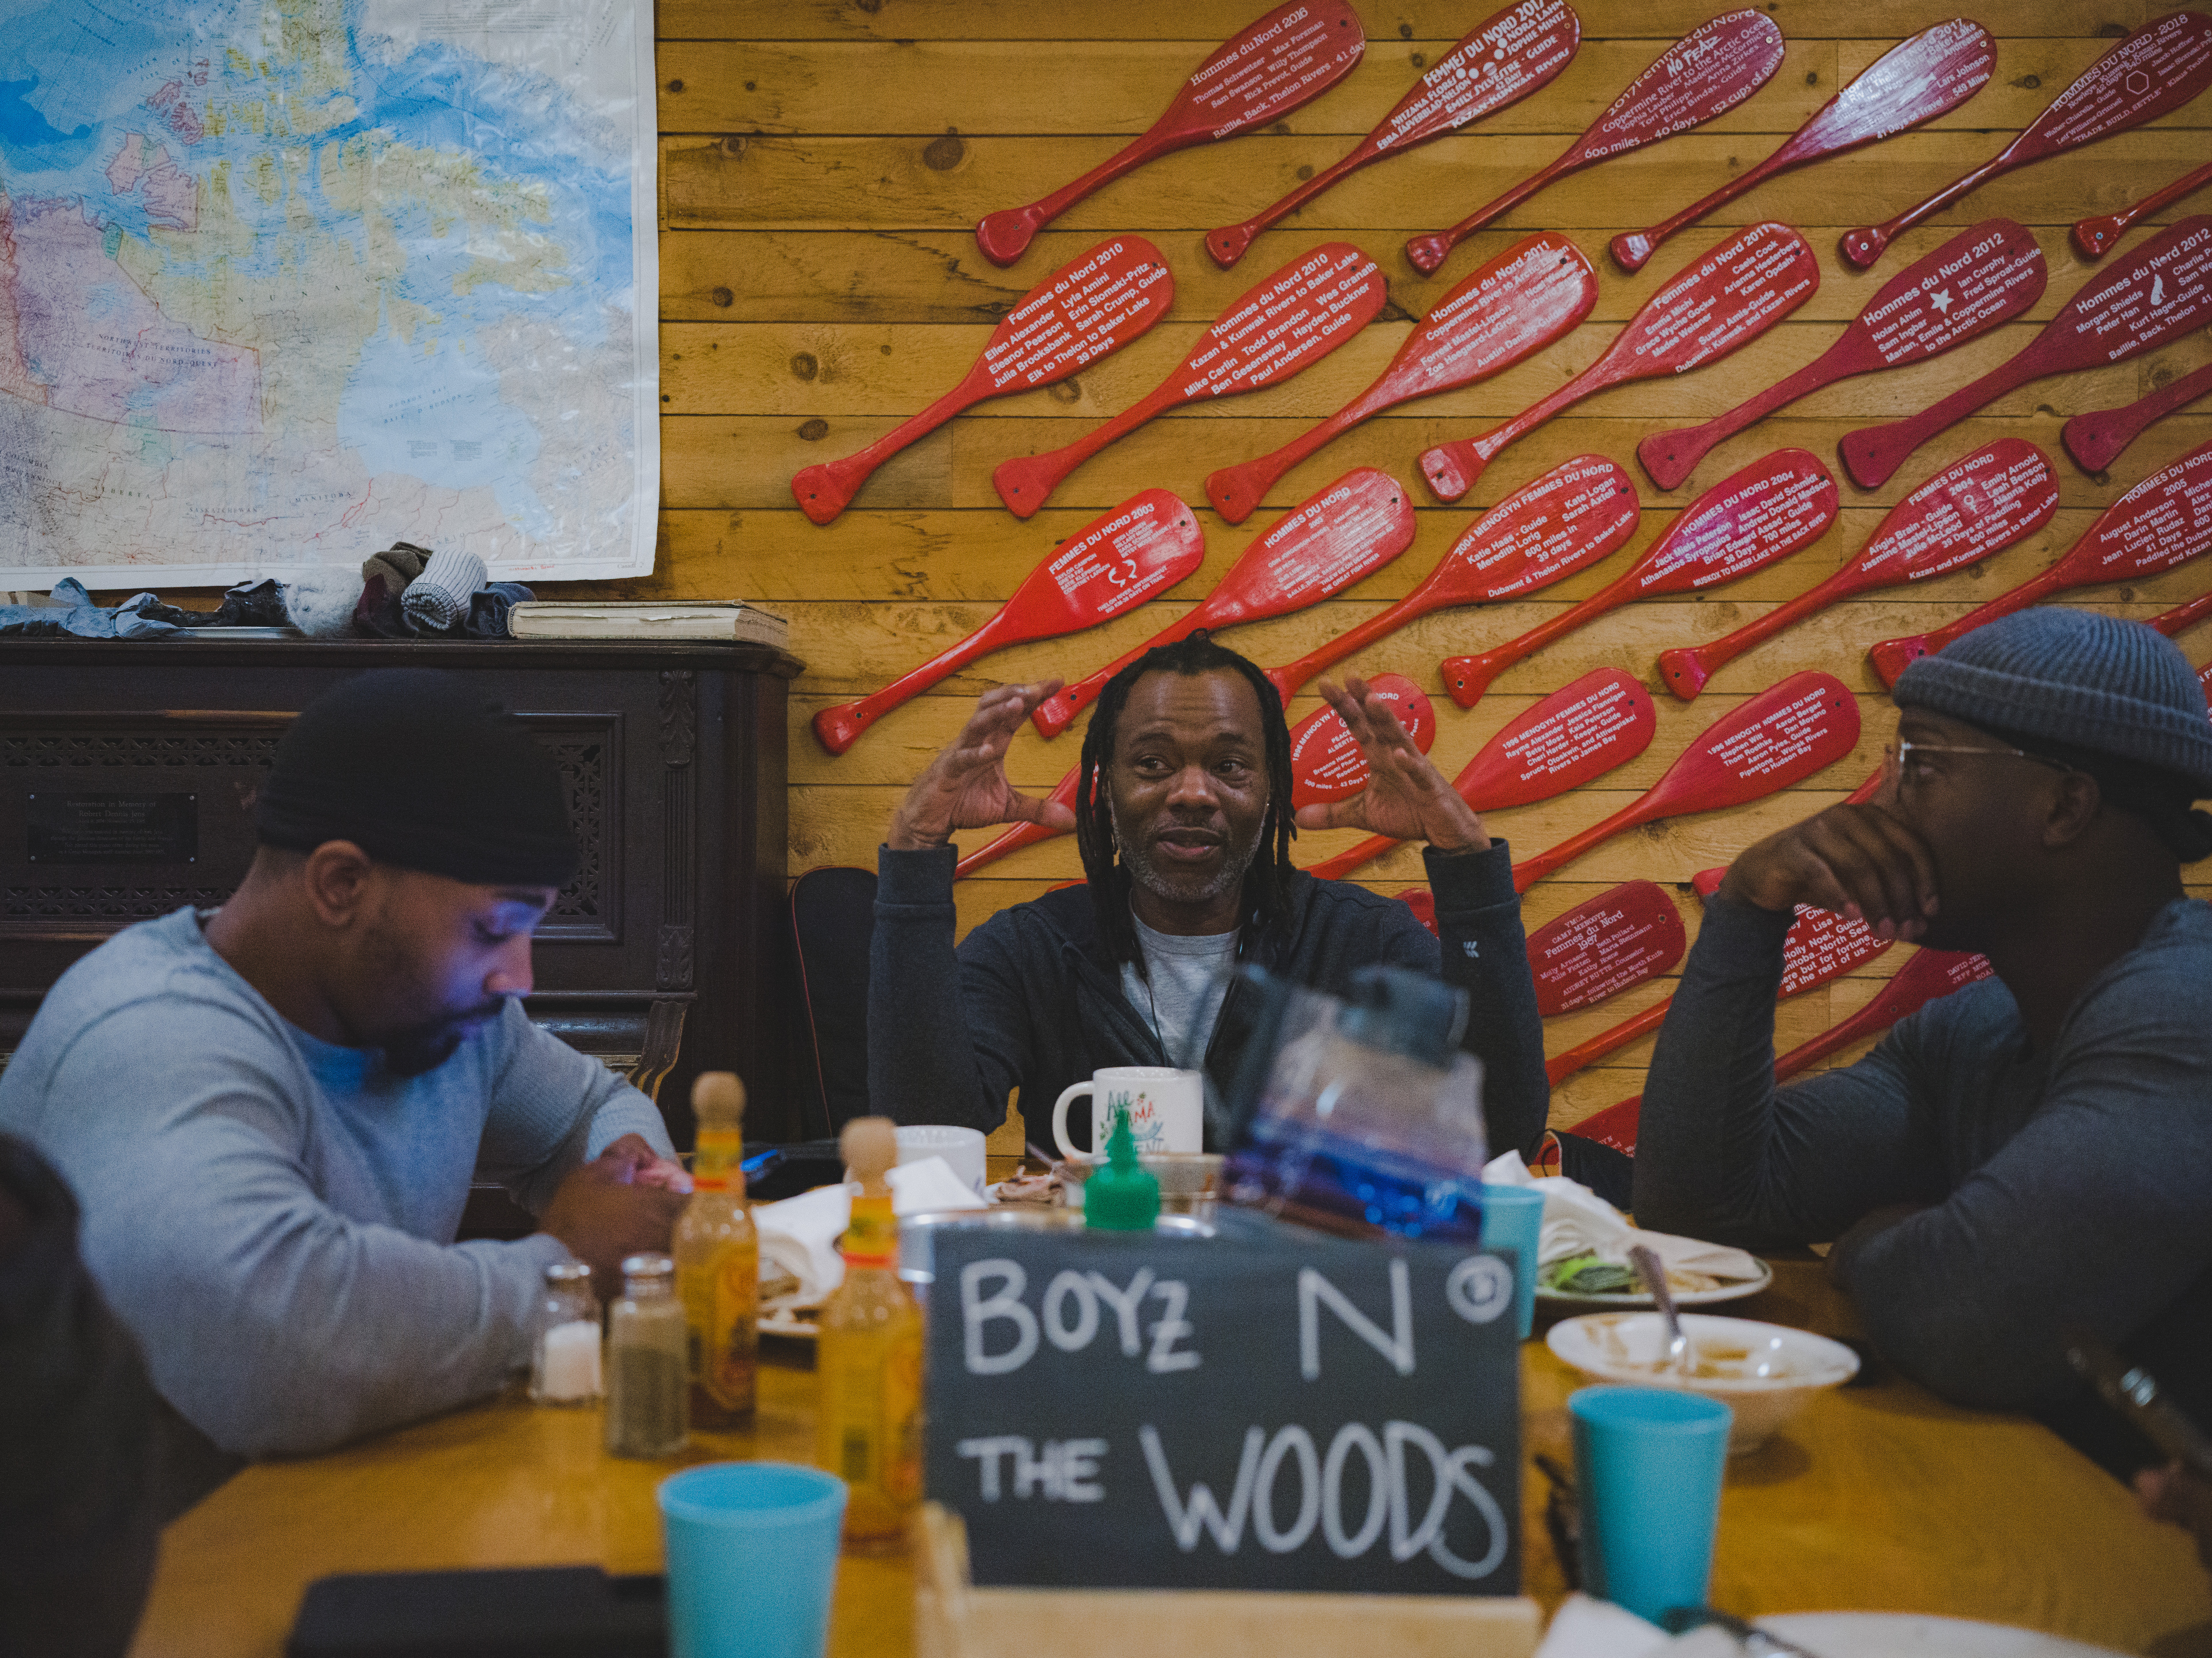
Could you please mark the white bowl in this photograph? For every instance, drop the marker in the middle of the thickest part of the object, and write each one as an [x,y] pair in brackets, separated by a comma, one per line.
[961,1148]
[1764,1373]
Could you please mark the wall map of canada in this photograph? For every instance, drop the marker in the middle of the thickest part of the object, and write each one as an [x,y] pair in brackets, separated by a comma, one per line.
[283,284]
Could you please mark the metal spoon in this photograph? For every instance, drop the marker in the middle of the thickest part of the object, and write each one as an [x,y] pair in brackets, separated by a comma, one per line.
[1754,1641]
[1654,1280]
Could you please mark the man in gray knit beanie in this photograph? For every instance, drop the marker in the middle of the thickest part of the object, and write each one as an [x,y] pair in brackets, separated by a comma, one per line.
[2031,1153]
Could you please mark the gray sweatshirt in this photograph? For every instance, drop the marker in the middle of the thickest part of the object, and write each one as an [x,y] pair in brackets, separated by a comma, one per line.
[273,1217]
[2067,1186]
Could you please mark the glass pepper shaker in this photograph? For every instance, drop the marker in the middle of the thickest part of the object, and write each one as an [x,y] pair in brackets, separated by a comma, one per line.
[648,1373]
[564,1356]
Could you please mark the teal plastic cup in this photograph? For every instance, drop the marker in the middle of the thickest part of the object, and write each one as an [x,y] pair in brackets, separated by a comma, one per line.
[1513,1218]
[1648,1466]
[752,1558]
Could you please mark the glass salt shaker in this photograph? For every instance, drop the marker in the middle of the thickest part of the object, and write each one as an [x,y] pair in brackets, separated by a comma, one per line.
[564,1358]
[648,1376]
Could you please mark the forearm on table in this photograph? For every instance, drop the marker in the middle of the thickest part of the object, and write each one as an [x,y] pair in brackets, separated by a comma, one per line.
[1485,952]
[923,1060]
[2076,1222]
[279,1327]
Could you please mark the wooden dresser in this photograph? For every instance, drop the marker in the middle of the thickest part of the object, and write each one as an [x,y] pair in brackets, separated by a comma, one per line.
[126,771]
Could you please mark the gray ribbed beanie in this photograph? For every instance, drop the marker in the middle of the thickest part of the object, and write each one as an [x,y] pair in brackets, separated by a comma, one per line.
[2074,678]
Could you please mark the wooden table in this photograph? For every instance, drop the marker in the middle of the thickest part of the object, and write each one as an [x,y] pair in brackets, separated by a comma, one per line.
[1878,1497]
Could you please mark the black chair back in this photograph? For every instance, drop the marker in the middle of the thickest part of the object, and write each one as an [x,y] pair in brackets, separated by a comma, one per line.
[833,917]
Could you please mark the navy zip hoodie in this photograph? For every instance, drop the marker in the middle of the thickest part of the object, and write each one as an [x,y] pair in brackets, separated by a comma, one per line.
[1031,999]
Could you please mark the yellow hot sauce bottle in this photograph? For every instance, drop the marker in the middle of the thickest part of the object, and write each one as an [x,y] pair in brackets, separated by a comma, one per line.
[718,1260]
[869,1358]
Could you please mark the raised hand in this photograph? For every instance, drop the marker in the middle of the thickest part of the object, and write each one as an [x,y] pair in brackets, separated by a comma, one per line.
[1863,862]
[966,785]
[1406,798]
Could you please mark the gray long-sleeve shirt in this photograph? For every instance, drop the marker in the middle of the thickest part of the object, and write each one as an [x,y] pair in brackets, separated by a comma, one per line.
[1033,1001]
[2067,1186]
[272,1215]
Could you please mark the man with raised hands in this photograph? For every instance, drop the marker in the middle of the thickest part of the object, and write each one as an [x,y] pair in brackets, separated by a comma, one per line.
[2030,1154]
[1183,820]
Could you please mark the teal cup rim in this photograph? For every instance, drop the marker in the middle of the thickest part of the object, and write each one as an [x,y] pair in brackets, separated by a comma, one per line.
[781,1494]
[1515,1196]
[1669,1409]
[1528,1192]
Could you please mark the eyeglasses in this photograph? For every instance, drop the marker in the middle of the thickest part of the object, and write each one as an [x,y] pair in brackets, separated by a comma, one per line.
[1899,753]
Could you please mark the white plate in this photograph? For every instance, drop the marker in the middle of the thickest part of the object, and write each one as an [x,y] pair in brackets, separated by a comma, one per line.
[1909,1635]
[1640,1298]
[797,1322]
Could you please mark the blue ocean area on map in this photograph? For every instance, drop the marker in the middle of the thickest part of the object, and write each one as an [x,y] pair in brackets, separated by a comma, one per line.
[387,278]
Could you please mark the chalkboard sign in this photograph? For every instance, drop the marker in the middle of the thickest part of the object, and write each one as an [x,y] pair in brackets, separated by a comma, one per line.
[1272,1409]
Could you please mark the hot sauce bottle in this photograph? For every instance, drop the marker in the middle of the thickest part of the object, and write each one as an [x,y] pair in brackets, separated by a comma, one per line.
[718,1260]
[869,1359]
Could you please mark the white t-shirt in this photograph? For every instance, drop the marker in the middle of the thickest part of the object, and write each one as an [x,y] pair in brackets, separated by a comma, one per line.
[1188,982]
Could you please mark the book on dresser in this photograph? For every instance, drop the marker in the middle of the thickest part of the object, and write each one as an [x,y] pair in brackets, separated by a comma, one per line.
[706,619]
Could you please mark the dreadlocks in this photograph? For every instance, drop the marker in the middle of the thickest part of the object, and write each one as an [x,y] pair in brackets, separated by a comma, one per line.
[1266,883]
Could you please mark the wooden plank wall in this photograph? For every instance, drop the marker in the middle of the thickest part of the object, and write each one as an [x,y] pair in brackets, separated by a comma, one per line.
[823,162]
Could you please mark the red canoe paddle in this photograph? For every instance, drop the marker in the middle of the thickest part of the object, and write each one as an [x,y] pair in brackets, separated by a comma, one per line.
[1279,63]
[1790,731]
[1604,945]
[1706,73]
[2094,236]
[1929,975]
[1326,761]
[1343,534]
[2158,68]
[1021,834]
[1821,946]
[2182,617]
[1728,298]
[1915,81]
[1118,561]
[1322,773]
[1744,523]
[1527,297]
[1979,278]
[2165,520]
[1972,509]
[2096,440]
[1572,516]
[1911,989]
[1619,934]
[2161,293]
[1507,56]
[1288,323]
[1573,737]
[1092,306]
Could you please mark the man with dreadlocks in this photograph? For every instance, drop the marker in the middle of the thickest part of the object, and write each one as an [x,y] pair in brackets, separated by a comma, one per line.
[1183,819]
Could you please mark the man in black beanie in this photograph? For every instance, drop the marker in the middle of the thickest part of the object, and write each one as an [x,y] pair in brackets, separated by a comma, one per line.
[271,1113]
[2033,1152]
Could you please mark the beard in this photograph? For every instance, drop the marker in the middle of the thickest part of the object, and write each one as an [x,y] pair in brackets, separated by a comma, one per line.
[424,1048]
[1178,887]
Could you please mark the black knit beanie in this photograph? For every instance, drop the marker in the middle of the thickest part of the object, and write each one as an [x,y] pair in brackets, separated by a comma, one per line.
[416,769]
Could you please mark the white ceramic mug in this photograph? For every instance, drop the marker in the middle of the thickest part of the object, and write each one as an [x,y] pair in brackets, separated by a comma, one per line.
[961,1148]
[1167,1109]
